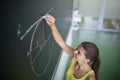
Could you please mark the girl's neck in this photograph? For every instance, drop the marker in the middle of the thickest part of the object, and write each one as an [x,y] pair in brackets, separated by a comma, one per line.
[85,68]
[80,70]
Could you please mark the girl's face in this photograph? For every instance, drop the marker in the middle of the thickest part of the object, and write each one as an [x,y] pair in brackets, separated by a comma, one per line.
[80,55]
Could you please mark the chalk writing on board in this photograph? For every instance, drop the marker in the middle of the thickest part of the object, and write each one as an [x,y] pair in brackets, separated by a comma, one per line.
[39,47]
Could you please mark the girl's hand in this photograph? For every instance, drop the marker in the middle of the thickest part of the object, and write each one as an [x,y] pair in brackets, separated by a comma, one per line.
[50,20]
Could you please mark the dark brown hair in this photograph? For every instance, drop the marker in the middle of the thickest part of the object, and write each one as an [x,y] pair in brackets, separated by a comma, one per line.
[93,55]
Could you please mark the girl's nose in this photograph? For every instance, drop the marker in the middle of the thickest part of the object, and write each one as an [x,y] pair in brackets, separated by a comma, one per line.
[75,53]
[75,56]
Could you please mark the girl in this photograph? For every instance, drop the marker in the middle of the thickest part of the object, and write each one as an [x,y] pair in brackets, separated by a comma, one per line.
[85,59]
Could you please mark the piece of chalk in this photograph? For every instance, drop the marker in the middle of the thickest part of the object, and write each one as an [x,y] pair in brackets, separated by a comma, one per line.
[44,17]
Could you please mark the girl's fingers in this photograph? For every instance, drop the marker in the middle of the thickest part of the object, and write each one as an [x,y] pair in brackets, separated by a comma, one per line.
[50,16]
[50,20]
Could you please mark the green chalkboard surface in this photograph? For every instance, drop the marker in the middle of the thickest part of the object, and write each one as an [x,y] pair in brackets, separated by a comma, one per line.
[30,53]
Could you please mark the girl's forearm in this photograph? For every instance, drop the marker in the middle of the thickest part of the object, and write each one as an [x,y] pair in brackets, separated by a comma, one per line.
[59,40]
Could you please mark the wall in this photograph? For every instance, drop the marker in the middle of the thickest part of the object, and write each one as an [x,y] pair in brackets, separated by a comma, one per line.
[92,8]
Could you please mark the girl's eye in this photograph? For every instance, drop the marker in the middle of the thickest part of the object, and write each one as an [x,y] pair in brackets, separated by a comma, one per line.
[78,52]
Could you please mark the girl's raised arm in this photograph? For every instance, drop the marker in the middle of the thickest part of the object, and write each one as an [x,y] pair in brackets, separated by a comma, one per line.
[50,20]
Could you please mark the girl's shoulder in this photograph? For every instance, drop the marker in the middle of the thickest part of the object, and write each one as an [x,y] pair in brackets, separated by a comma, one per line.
[90,75]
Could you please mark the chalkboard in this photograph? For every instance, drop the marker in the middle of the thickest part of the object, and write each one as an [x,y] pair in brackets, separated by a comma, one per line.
[31,57]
